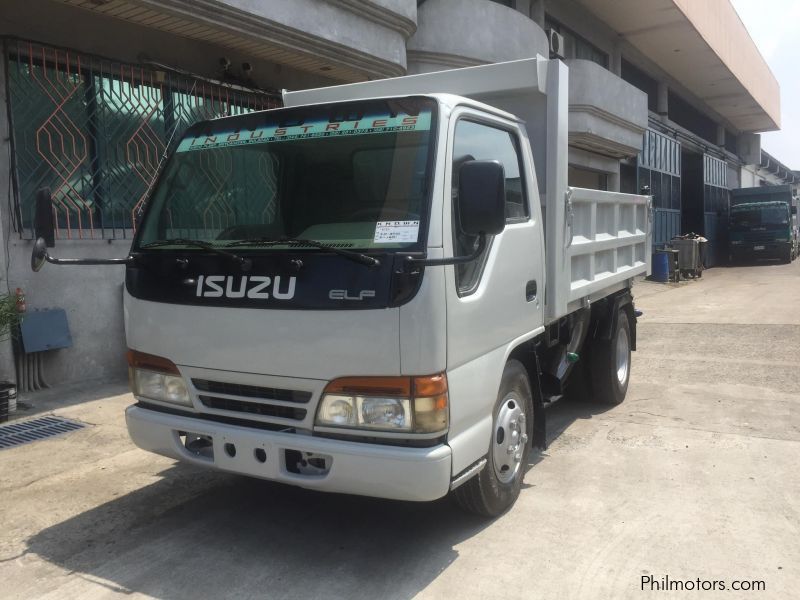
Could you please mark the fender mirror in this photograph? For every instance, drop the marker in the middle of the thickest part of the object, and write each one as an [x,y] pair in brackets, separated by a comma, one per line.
[40,255]
[44,226]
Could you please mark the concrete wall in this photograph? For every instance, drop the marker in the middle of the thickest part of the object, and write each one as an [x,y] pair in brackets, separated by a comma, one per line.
[606,114]
[460,33]
[90,32]
[374,29]
[723,30]
[92,299]
[590,161]
[91,296]
[585,24]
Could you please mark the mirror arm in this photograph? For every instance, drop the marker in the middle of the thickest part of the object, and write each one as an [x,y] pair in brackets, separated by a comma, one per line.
[88,261]
[455,260]
[40,255]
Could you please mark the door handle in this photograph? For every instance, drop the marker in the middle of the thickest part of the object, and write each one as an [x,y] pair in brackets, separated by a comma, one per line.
[530,291]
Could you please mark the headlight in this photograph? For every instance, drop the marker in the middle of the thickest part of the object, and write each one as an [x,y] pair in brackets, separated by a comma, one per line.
[410,404]
[156,378]
[360,411]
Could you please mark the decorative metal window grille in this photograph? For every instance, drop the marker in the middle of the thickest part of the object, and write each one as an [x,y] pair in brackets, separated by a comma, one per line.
[94,130]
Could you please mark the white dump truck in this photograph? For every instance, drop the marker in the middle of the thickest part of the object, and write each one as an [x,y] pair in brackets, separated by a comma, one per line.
[377,289]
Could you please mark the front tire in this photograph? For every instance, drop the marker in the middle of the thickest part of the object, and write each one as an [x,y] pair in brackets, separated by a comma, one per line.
[611,363]
[495,489]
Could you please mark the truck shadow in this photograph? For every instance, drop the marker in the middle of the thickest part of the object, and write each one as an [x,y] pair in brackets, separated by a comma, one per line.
[196,533]
[560,415]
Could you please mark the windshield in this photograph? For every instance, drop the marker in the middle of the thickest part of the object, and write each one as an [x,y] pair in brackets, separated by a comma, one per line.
[350,175]
[768,217]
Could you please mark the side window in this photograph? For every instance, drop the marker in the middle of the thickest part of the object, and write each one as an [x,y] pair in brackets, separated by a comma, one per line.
[475,141]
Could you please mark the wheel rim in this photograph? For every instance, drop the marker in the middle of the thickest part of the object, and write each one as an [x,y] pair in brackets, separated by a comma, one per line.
[623,356]
[509,439]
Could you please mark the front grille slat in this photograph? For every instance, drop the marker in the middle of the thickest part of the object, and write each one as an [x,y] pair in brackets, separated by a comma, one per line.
[253,408]
[761,237]
[249,399]
[251,391]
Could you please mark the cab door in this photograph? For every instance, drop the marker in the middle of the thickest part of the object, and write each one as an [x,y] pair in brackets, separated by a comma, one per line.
[497,299]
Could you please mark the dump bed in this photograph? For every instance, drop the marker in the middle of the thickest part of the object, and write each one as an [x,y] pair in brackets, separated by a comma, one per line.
[596,242]
[607,242]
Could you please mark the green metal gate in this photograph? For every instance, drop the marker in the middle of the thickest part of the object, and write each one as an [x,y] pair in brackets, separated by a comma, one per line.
[94,131]
[660,169]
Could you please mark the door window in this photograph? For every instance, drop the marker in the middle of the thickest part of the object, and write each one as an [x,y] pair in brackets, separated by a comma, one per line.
[476,141]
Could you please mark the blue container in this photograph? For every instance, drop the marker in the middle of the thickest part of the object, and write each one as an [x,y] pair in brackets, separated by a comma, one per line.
[660,267]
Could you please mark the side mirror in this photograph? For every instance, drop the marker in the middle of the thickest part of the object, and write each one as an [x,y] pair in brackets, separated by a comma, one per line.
[482,197]
[481,208]
[39,254]
[44,226]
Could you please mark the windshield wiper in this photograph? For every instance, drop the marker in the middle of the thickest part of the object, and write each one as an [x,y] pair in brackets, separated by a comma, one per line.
[354,256]
[244,262]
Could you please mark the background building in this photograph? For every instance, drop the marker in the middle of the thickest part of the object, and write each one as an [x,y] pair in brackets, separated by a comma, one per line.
[665,93]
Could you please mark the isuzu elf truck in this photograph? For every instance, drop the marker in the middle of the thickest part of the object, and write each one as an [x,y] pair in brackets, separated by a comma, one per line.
[377,288]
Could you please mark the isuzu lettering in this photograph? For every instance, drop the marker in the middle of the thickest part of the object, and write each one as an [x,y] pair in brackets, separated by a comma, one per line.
[377,288]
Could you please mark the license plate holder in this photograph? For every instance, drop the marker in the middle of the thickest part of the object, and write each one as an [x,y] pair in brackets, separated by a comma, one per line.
[758,247]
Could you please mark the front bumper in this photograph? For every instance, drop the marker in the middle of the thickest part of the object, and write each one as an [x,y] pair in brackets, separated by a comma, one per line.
[760,249]
[416,474]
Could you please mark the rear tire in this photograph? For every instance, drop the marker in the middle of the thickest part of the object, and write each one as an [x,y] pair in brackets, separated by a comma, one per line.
[495,489]
[611,363]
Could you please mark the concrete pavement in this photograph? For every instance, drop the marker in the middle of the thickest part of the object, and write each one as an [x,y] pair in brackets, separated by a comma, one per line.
[694,476]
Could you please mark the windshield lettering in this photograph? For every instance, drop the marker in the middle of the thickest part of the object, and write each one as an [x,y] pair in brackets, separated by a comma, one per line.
[383,124]
[352,179]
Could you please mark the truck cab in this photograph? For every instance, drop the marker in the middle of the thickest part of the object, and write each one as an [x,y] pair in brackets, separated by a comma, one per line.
[762,230]
[763,223]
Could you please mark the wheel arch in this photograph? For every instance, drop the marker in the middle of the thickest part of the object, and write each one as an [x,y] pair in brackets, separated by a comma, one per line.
[606,313]
[525,353]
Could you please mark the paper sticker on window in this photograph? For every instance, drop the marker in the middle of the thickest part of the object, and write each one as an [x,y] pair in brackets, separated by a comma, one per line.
[394,232]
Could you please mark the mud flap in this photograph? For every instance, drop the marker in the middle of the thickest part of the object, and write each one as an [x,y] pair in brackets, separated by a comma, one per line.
[608,323]
[539,439]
